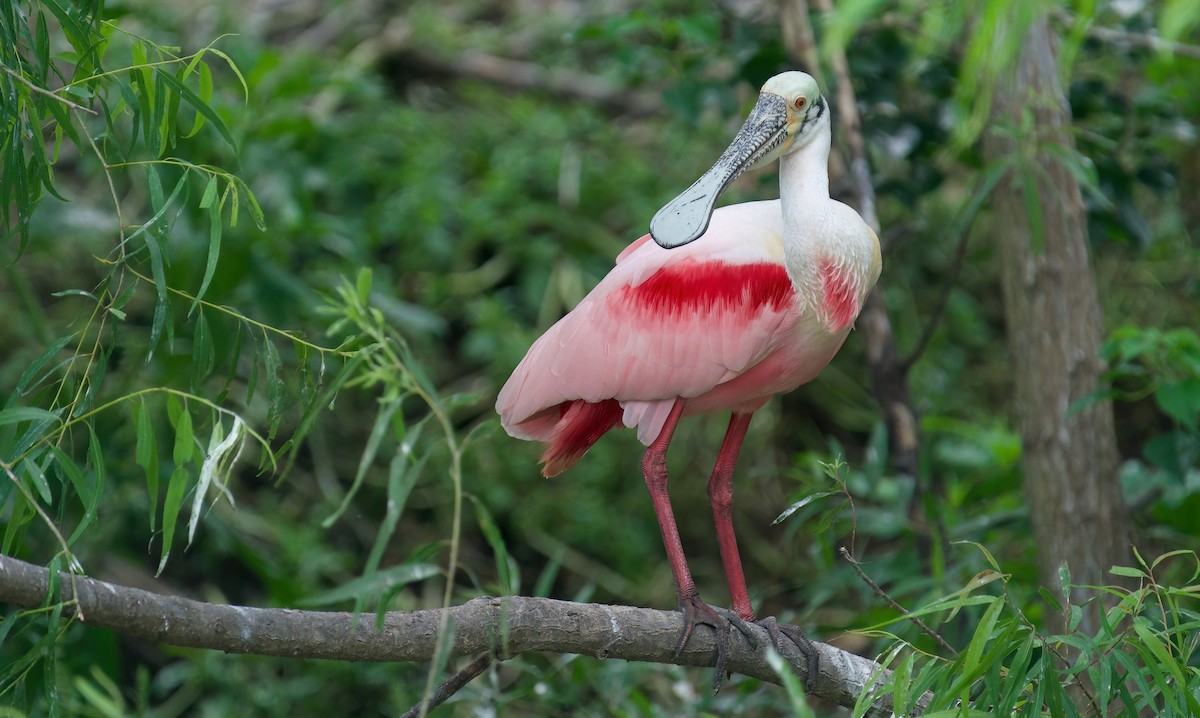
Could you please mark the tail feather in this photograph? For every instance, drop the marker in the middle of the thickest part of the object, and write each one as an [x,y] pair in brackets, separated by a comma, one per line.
[580,425]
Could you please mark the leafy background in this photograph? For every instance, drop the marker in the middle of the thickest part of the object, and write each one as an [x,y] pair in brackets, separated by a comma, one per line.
[193,269]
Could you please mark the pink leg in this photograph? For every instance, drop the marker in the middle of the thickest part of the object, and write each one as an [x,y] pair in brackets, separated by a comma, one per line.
[654,468]
[695,611]
[720,494]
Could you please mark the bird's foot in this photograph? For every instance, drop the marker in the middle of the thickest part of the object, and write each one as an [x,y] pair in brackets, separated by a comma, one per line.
[779,631]
[698,613]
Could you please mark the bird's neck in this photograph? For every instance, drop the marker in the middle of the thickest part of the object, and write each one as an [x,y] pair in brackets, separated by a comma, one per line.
[808,224]
[804,180]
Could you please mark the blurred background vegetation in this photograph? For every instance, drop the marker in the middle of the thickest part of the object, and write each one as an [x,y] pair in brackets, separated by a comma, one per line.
[486,161]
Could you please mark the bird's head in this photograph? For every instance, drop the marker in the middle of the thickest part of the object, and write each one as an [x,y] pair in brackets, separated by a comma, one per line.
[790,112]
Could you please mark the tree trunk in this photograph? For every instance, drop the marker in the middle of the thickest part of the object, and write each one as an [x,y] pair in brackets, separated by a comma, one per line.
[1054,328]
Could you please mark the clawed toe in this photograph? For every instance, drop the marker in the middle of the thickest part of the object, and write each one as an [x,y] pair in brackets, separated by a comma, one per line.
[797,638]
[697,612]
[742,625]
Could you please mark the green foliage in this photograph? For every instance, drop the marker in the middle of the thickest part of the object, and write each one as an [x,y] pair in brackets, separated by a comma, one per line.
[62,439]
[1160,368]
[1140,659]
[67,378]
[136,398]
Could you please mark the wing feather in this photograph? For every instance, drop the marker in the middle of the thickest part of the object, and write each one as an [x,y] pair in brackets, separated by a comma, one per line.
[662,324]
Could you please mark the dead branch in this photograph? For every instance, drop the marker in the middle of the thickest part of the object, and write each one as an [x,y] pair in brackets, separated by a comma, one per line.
[528,76]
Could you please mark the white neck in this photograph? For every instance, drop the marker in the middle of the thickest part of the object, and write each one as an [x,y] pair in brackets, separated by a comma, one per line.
[804,174]
[804,195]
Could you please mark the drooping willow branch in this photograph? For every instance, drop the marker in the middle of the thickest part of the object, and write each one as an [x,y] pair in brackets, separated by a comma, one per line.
[503,627]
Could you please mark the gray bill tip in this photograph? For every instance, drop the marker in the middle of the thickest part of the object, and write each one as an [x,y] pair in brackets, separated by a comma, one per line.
[685,218]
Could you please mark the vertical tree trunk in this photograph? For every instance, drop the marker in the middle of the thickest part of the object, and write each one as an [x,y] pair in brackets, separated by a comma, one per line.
[1054,327]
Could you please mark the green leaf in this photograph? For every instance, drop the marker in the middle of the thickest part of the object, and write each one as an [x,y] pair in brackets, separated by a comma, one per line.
[160,114]
[1104,684]
[37,478]
[1162,654]
[801,504]
[362,285]
[1049,598]
[20,414]
[276,391]
[797,699]
[210,193]
[156,231]
[203,355]
[76,34]
[1181,400]
[252,380]
[401,480]
[41,45]
[504,564]
[236,71]
[214,253]
[841,26]
[902,681]
[96,459]
[19,515]
[205,95]
[176,489]
[256,211]
[199,105]
[1017,676]
[378,430]
[83,488]
[375,584]
[1178,18]
[185,441]
[25,382]
[325,399]
[147,457]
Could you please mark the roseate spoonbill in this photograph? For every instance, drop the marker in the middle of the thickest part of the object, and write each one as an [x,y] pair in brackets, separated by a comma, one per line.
[722,311]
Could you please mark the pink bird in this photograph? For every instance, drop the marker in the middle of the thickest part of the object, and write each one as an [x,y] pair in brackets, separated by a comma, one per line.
[721,312]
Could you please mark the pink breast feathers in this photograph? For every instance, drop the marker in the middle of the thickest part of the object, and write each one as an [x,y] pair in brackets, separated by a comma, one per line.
[839,300]
[693,286]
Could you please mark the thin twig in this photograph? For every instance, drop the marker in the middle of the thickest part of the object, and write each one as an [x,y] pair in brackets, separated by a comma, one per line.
[903,611]
[1112,35]
[43,91]
[1151,42]
[453,685]
[939,309]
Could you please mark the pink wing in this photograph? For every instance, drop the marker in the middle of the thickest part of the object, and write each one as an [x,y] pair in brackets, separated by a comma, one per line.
[662,324]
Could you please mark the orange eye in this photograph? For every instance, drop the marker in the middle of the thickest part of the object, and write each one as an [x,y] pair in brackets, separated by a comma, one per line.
[800,102]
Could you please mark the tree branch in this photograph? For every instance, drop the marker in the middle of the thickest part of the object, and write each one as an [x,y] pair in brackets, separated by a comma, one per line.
[528,624]
[527,76]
